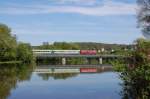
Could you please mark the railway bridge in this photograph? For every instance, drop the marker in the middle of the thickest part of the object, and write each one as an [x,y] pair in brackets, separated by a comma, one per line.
[43,55]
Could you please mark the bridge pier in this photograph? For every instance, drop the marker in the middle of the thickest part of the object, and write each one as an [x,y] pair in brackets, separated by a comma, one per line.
[88,61]
[63,61]
[100,60]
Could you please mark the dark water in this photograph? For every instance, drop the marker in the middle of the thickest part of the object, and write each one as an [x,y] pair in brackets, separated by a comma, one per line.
[25,84]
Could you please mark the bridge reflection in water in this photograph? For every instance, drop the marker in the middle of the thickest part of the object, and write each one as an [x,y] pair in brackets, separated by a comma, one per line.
[73,69]
[65,72]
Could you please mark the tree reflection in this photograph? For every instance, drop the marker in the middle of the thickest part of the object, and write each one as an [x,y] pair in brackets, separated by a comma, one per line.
[134,90]
[10,75]
[46,76]
[134,87]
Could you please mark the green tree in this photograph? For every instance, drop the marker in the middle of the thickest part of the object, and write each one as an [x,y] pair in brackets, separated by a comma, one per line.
[136,76]
[24,53]
[65,46]
[10,50]
[144,16]
[8,44]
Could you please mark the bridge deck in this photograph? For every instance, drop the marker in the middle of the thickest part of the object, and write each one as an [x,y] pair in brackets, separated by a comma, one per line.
[70,56]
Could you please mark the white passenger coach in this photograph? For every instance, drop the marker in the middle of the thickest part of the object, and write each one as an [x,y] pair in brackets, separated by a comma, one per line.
[56,51]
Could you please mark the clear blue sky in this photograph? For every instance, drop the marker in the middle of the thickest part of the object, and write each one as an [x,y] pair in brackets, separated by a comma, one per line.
[37,21]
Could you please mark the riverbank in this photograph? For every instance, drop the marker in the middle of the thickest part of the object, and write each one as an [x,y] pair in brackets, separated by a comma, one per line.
[10,62]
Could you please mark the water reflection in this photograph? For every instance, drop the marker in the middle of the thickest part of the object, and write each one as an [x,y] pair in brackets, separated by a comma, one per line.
[66,72]
[135,90]
[10,75]
[46,76]
[68,82]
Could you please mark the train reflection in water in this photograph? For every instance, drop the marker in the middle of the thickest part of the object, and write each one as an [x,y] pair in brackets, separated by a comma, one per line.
[66,72]
[84,69]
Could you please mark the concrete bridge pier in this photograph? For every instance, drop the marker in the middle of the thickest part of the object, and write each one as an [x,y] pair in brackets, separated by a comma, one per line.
[63,61]
[88,60]
[100,60]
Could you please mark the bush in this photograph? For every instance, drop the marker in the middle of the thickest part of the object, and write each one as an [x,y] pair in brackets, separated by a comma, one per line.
[136,78]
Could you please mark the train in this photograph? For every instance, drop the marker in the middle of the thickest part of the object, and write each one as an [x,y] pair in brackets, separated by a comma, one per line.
[71,52]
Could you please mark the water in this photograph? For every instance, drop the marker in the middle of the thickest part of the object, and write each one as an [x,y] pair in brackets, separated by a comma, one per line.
[62,85]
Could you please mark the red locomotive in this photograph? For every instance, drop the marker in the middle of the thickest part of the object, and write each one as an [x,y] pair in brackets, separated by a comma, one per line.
[88,52]
[88,70]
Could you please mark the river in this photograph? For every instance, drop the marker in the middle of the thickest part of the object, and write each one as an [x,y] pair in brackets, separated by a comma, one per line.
[56,83]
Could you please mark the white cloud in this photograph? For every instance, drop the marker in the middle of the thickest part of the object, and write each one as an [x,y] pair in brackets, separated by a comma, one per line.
[80,2]
[108,8]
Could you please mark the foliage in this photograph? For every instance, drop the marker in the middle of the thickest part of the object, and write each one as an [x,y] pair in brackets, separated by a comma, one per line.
[61,46]
[8,44]
[48,61]
[64,46]
[82,45]
[24,52]
[118,65]
[75,61]
[136,76]
[10,50]
[144,16]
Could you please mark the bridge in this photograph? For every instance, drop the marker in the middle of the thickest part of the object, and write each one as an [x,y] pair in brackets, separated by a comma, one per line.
[41,54]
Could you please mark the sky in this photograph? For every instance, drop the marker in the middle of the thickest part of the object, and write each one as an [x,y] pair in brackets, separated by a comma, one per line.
[105,21]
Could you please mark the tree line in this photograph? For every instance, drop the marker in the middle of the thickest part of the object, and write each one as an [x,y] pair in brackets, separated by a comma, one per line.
[82,46]
[11,50]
